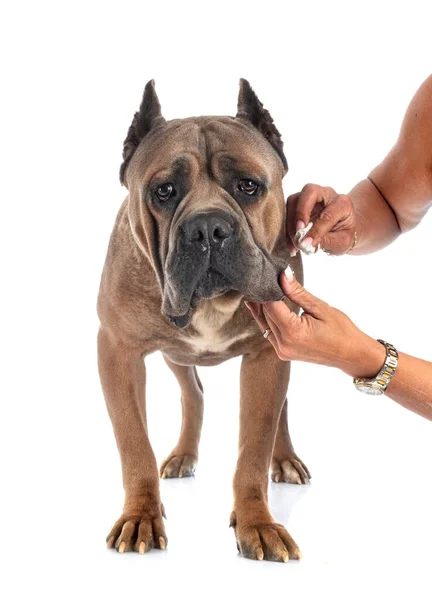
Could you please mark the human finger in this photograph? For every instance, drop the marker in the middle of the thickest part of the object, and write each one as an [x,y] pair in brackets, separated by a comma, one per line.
[336,217]
[300,296]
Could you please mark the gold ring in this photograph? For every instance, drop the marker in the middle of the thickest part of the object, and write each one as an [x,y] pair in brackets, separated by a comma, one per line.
[354,244]
[266,333]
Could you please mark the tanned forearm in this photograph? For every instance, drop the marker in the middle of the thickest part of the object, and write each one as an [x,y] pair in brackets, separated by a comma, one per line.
[411,385]
[376,223]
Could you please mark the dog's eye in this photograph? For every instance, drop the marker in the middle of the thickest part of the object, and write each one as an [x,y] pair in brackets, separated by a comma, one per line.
[248,186]
[165,192]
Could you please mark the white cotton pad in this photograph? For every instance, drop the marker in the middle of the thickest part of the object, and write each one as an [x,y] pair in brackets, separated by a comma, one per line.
[299,237]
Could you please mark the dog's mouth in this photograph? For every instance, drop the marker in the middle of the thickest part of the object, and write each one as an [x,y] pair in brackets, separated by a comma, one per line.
[254,276]
[211,285]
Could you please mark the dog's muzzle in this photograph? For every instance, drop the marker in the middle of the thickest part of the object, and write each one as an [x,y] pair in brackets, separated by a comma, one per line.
[210,240]
[213,255]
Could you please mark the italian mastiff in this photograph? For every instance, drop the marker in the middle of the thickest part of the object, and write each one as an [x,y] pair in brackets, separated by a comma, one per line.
[201,230]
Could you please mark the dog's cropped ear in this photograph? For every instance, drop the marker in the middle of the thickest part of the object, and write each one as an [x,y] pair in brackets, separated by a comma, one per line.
[148,116]
[251,109]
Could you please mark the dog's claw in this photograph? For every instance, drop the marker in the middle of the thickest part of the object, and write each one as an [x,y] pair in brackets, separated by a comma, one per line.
[140,532]
[178,465]
[290,469]
[267,540]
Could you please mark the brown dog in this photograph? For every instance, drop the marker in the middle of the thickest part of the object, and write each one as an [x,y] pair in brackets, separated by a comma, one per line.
[201,230]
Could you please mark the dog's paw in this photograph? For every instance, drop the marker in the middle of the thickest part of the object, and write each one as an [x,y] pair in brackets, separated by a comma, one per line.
[178,465]
[289,469]
[139,533]
[265,541]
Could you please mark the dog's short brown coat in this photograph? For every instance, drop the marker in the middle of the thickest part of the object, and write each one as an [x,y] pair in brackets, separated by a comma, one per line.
[133,305]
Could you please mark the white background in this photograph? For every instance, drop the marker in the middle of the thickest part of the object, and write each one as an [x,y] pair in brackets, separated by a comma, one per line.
[337,79]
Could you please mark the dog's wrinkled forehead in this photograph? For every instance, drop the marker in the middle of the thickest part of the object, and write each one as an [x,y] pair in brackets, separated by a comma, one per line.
[217,148]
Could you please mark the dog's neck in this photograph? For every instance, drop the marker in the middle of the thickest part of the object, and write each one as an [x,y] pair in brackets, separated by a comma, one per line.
[209,320]
[213,314]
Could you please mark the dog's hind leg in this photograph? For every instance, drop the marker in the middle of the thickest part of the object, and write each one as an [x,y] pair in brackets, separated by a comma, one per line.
[183,459]
[286,465]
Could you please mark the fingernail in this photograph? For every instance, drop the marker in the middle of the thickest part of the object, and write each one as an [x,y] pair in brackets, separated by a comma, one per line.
[293,253]
[308,250]
[300,225]
[289,274]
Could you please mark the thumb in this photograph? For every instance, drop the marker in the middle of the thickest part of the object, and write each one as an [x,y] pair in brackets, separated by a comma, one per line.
[296,292]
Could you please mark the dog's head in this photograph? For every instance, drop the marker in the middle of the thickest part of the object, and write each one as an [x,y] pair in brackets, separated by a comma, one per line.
[206,204]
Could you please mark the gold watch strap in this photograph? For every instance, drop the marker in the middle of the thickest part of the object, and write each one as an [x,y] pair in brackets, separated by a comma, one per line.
[379,384]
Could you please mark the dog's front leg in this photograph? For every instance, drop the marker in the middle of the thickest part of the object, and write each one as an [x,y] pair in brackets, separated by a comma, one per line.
[264,382]
[286,465]
[122,373]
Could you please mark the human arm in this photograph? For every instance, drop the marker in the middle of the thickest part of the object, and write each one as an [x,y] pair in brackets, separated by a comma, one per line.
[324,335]
[393,199]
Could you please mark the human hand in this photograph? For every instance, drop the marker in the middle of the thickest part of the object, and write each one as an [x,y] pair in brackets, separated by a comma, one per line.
[322,334]
[333,216]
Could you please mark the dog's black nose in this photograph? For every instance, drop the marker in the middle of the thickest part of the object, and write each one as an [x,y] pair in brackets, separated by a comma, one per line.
[208,228]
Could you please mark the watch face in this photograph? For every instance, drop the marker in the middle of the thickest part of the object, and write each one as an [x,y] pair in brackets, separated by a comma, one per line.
[367,389]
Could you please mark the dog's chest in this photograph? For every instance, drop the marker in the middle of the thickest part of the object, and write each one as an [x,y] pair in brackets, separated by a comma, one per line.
[210,331]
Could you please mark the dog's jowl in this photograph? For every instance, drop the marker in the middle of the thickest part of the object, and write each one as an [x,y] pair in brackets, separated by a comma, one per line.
[200,231]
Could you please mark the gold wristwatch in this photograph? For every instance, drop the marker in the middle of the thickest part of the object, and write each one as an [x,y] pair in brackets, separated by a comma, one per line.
[378,385]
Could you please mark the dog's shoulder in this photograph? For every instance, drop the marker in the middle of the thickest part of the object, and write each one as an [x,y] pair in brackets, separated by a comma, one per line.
[128,289]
